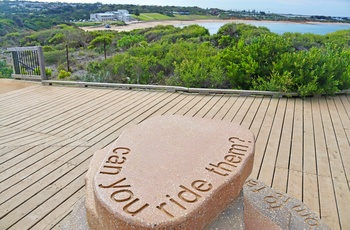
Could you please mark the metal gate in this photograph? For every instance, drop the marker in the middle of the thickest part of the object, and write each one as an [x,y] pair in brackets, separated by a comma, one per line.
[28,63]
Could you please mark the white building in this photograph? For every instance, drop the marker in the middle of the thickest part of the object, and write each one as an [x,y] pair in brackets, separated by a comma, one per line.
[101,17]
[120,15]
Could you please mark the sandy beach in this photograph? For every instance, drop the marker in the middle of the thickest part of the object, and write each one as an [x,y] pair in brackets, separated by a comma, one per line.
[149,24]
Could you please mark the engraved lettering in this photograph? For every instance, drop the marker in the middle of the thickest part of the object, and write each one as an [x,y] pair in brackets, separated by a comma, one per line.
[251,183]
[235,139]
[115,171]
[311,221]
[119,198]
[283,197]
[220,165]
[231,158]
[236,152]
[213,170]
[114,160]
[133,213]
[199,184]
[238,146]
[272,201]
[161,208]
[123,152]
[258,189]
[188,195]
[114,185]
[177,203]
[303,212]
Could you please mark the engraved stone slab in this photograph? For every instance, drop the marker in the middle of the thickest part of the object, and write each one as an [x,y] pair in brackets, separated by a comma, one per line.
[266,208]
[169,172]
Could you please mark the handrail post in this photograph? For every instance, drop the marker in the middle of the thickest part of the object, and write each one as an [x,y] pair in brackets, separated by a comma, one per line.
[41,63]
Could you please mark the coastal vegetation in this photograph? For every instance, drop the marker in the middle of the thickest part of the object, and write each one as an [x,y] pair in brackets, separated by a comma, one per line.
[239,56]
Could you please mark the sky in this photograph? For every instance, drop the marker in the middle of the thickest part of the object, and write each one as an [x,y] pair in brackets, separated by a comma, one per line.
[304,7]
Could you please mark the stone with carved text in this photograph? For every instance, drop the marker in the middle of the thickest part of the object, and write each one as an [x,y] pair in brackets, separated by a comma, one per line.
[169,172]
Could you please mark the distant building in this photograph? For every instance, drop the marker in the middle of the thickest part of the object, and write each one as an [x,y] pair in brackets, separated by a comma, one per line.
[101,17]
[119,15]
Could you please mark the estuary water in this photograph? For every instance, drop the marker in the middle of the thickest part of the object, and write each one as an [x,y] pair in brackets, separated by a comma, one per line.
[283,27]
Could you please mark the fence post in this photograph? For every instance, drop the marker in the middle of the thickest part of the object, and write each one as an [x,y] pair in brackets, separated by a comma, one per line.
[67,57]
[41,63]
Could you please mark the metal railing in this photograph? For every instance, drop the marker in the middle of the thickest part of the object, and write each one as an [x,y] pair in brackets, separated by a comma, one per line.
[28,63]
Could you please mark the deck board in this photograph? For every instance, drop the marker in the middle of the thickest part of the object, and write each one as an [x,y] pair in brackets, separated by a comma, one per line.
[48,135]
[328,206]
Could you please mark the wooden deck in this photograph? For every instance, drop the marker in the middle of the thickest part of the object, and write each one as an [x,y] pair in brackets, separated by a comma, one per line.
[48,135]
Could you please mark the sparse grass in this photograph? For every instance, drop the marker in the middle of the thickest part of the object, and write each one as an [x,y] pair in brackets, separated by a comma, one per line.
[85,24]
[157,16]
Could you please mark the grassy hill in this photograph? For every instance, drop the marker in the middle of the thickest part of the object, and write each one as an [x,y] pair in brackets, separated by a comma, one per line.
[158,16]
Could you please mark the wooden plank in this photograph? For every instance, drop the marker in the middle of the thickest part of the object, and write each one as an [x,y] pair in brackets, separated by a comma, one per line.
[28,112]
[6,97]
[45,195]
[27,139]
[242,112]
[205,109]
[345,119]
[42,181]
[62,223]
[42,115]
[92,121]
[310,179]
[273,144]
[186,108]
[342,193]
[71,190]
[280,177]
[346,100]
[85,125]
[252,112]
[109,133]
[328,208]
[59,212]
[18,154]
[15,156]
[217,107]
[224,109]
[73,115]
[231,113]
[178,98]
[36,99]
[198,106]
[340,138]
[186,100]
[10,183]
[263,137]
[118,117]
[295,177]
[256,124]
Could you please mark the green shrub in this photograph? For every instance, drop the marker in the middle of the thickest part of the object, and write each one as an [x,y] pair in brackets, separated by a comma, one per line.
[55,56]
[63,74]
[5,71]
[130,40]
[48,71]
